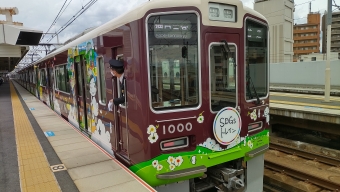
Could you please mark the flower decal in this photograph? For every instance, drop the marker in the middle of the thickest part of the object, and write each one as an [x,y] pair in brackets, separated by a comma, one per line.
[171,160]
[159,167]
[252,115]
[200,118]
[268,134]
[178,161]
[155,163]
[250,144]
[153,137]
[172,167]
[174,162]
[152,131]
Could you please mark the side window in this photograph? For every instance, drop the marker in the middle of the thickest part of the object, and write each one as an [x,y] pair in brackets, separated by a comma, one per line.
[33,76]
[102,82]
[256,66]
[57,82]
[222,77]
[62,83]
[42,77]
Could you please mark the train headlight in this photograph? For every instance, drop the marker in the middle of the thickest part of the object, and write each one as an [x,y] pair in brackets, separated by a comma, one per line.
[228,12]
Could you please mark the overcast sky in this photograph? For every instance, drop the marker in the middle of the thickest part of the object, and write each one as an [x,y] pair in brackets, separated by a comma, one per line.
[39,14]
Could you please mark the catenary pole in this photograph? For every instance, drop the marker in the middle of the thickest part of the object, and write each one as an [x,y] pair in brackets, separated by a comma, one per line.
[328,62]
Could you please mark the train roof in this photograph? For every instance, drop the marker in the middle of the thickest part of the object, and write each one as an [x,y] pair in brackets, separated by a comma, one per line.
[140,11]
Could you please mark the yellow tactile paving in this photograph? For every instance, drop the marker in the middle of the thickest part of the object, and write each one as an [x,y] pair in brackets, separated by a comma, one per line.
[34,169]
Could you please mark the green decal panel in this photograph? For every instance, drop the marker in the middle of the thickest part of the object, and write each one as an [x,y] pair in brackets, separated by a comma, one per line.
[149,170]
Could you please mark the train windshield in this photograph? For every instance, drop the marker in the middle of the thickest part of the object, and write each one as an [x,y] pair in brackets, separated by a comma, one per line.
[173,60]
[256,77]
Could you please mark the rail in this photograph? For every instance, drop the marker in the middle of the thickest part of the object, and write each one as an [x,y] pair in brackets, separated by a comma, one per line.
[303,176]
[304,154]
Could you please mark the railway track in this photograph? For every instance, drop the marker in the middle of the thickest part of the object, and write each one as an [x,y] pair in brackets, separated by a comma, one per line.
[305,162]
[306,155]
[324,183]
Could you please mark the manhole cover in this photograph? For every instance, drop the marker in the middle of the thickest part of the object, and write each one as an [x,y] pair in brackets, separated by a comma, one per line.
[60,167]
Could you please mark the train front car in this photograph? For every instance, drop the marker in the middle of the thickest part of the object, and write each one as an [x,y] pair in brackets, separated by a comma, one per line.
[208,96]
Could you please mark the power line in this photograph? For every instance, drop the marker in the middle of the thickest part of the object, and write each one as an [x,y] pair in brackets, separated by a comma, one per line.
[55,19]
[335,5]
[70,21]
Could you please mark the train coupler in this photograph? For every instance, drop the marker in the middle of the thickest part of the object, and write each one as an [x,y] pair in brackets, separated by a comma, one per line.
[228,179]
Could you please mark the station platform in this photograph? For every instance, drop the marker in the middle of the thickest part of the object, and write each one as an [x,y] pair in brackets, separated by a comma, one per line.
[40,151]
[305,106]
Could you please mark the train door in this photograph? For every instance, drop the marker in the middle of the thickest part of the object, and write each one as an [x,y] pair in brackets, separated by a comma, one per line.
[79,65]
[50,88]
[121,122]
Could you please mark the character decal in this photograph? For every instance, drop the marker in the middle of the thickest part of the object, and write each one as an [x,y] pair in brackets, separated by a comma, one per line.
[266,114]
[193,160]
[102,137]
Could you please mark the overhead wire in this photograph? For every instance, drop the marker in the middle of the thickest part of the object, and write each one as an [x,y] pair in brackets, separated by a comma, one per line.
[70,21]
[55,20]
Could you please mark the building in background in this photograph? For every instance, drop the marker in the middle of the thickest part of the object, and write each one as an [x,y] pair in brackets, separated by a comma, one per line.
[279,14]
[307,36]
[335,32]
[318,57]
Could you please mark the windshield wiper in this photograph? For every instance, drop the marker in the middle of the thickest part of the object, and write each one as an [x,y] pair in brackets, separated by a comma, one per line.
[225,49]
[250,81]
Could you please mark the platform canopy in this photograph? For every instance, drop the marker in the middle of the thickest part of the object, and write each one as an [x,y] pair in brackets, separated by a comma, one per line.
[15,40]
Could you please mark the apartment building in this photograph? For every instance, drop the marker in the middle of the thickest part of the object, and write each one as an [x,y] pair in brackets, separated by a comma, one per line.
[307,37]
[335,32]
[279,14]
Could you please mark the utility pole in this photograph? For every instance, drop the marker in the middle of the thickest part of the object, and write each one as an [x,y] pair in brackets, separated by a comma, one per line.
[328,62]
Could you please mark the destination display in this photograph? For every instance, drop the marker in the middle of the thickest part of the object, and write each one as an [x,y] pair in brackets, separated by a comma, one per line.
[172,29]
[255,34]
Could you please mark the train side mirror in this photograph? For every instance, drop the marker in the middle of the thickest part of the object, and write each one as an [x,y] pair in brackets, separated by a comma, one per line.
[184,52]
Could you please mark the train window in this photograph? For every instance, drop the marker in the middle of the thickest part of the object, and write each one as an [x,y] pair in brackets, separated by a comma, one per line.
[43,77]
[256,73]
[222,77]
[62,82]
[102,82]
[51,77]
[34,77]
[173,60]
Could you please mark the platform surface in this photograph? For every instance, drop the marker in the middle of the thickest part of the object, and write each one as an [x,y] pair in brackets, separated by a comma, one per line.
[304,102]
[49,154]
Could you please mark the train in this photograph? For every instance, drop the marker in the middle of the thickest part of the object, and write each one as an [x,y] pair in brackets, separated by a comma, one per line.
[196,108]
